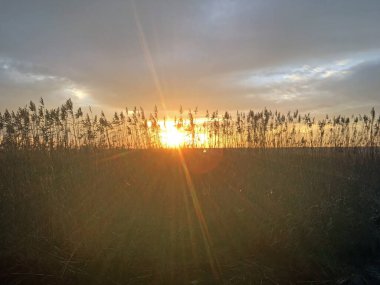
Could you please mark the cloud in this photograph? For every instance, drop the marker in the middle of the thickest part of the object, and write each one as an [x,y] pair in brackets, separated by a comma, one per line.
[342,83]
[362,83]
[23,81]
[193,46]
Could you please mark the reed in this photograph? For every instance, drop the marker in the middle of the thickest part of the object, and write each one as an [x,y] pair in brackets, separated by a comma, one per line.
[36,127]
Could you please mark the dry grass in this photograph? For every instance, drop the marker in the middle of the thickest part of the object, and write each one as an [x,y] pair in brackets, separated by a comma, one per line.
[231,216]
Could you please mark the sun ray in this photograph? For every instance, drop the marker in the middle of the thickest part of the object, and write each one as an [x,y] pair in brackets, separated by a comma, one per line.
[148,56]
[213,262]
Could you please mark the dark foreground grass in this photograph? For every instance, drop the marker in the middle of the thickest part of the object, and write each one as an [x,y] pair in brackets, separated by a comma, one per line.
[285,216]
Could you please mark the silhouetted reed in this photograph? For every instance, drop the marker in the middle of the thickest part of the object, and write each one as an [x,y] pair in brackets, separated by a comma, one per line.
[37,127]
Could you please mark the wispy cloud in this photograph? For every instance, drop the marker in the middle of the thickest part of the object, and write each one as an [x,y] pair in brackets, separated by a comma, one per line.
[295,83]
[28,75]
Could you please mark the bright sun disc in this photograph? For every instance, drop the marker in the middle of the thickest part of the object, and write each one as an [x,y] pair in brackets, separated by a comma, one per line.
[172,137]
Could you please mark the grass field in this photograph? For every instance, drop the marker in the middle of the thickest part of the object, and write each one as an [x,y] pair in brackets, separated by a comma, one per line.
[231,216]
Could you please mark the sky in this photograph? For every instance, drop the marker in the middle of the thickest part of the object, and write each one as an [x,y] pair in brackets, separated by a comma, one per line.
[316,56]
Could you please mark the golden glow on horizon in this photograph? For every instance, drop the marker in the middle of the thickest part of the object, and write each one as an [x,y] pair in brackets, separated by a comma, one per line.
[172,137]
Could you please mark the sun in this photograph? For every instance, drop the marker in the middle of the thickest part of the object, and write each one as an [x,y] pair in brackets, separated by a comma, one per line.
[172,137]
